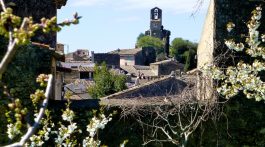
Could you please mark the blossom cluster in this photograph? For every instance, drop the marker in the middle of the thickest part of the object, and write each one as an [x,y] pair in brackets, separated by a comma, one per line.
[13,130]
[244,77]
[68,115]
[96,123]
[43,134]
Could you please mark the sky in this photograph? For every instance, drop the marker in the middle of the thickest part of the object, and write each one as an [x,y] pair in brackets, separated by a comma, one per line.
[107,25]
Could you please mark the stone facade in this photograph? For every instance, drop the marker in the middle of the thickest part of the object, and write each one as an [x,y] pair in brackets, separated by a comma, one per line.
[112,60]
[165,67]
[155,23]
[78,55]
[78,70]
[138,56]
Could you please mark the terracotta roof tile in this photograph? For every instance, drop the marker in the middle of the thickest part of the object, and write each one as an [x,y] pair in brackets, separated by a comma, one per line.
[85,69]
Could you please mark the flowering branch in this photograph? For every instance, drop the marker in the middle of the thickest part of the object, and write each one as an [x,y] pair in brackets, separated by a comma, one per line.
[244,77]
[32,129]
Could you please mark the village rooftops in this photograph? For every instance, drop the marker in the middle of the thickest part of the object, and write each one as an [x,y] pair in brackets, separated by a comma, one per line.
[165,62]
[76,65]
[85,68]
[79,89]
[127,51]
[170,87]
[137,70]
[160,87]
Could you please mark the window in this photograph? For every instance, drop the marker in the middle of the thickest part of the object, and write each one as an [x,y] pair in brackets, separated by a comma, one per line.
[73,66]
[156,14]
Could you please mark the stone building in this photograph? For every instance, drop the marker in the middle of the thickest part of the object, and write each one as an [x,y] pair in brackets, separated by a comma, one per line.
[212,46]
[157,29]
[164,68]
[78,70]
[155,23]
[112,60]
[155,70]
[161,91]
[137,56]
[78,55]
[169,85]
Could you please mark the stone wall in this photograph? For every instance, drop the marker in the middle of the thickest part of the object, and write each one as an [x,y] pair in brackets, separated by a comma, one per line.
[146,56]
[167,68]
[109,59]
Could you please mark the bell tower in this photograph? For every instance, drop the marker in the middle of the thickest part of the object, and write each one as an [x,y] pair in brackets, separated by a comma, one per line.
[157,30]
[156,22]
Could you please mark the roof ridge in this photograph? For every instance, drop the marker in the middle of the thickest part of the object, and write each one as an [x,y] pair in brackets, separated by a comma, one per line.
[138,87]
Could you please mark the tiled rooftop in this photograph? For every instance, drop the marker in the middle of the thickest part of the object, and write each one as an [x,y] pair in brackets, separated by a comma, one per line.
[85,68]
[137,69]
[127,51]
[154,92]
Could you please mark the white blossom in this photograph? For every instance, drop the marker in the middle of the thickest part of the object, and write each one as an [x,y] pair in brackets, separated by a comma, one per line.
[12,131]
[68,115]
[244,77]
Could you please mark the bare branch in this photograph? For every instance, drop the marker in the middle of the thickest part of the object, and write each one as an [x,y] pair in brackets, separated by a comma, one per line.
[11,50]
[175,117]
[3,5]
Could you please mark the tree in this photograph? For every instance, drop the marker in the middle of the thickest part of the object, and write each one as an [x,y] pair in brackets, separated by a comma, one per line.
[148,41]
[140,36]
[21,125]
[184,51]
[106,83]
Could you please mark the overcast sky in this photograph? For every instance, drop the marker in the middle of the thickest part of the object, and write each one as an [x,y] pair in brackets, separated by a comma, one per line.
[110,24]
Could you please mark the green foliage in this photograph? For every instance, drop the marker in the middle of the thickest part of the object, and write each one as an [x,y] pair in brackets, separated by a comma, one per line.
[148,41]
[161,57]
[19,69]
[20,77]
[188,58]
[119,82]
[184,51]
[27,71]
[106,82]
[140,36]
